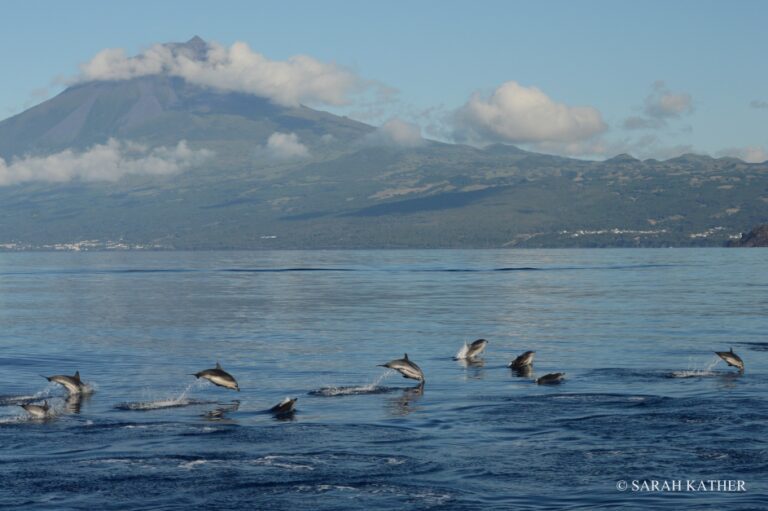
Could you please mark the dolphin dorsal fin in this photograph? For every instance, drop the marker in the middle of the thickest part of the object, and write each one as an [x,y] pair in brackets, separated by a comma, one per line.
[77,376]
[45,404]
[218,366]
[405,356]
[731,349]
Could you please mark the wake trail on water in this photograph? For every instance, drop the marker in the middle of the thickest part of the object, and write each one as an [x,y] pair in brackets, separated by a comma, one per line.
[46,392]
[181,400]
[698,372]
[374,387]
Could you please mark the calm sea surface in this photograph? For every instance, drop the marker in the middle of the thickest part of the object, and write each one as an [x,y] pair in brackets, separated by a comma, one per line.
[644,399]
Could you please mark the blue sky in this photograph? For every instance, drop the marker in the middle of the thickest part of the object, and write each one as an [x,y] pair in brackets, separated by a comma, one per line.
[688,76]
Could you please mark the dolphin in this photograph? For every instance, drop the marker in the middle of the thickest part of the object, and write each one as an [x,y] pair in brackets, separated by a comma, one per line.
[405,367]
[73,384]
[37,411]
[285,407]
[732,359]
[219,376]
[523,361]
[551,378]
[476,348]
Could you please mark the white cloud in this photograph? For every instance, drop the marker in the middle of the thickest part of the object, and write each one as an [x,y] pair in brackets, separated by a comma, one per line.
[750,154]
[659,106]
[518,114]
[102,162]
[283,147]
[300,79]
[662,103]
[396,132]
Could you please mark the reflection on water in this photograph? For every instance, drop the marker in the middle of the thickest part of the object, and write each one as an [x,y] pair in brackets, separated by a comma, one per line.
[523,372]
[74,402]
[406,402]
[219,413]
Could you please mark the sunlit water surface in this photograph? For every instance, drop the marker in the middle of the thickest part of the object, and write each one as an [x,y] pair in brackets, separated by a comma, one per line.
[635,331]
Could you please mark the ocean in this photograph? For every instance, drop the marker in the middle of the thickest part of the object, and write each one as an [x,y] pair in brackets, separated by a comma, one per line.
[645,400]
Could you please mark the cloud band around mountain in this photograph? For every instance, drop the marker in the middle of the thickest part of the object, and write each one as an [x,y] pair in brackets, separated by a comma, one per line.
[300,79]
[102,162]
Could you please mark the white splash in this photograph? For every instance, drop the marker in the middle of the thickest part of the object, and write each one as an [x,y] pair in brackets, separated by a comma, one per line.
[372,388]
[375,383]
[88,389]
[462,353]
[180,400]
[46,392]
[192,464]
[694,372]
[280,462]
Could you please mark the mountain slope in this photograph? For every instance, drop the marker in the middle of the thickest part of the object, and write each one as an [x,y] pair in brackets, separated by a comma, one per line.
[346,188]
[160,110]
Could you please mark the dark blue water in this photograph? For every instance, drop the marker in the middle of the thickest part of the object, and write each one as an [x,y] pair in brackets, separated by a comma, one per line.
[644,398]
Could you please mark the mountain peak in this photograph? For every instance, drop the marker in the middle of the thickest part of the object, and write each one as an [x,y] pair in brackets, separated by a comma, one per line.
[195,48]
[196,43]
[622,158]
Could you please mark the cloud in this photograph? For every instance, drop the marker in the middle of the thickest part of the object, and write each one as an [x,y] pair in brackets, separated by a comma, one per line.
[102,162]
[396,133]
[300,79]
[750,154]
[759,104]
[518,114]
[283,147]
[661,103]
[659,106]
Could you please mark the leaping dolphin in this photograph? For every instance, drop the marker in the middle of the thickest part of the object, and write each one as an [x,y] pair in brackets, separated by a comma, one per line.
[73,384]
[551,379]
[219,376]
[469,352]
[285,407]
[405,367]
[37,411]
[732,359]
[523,361]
